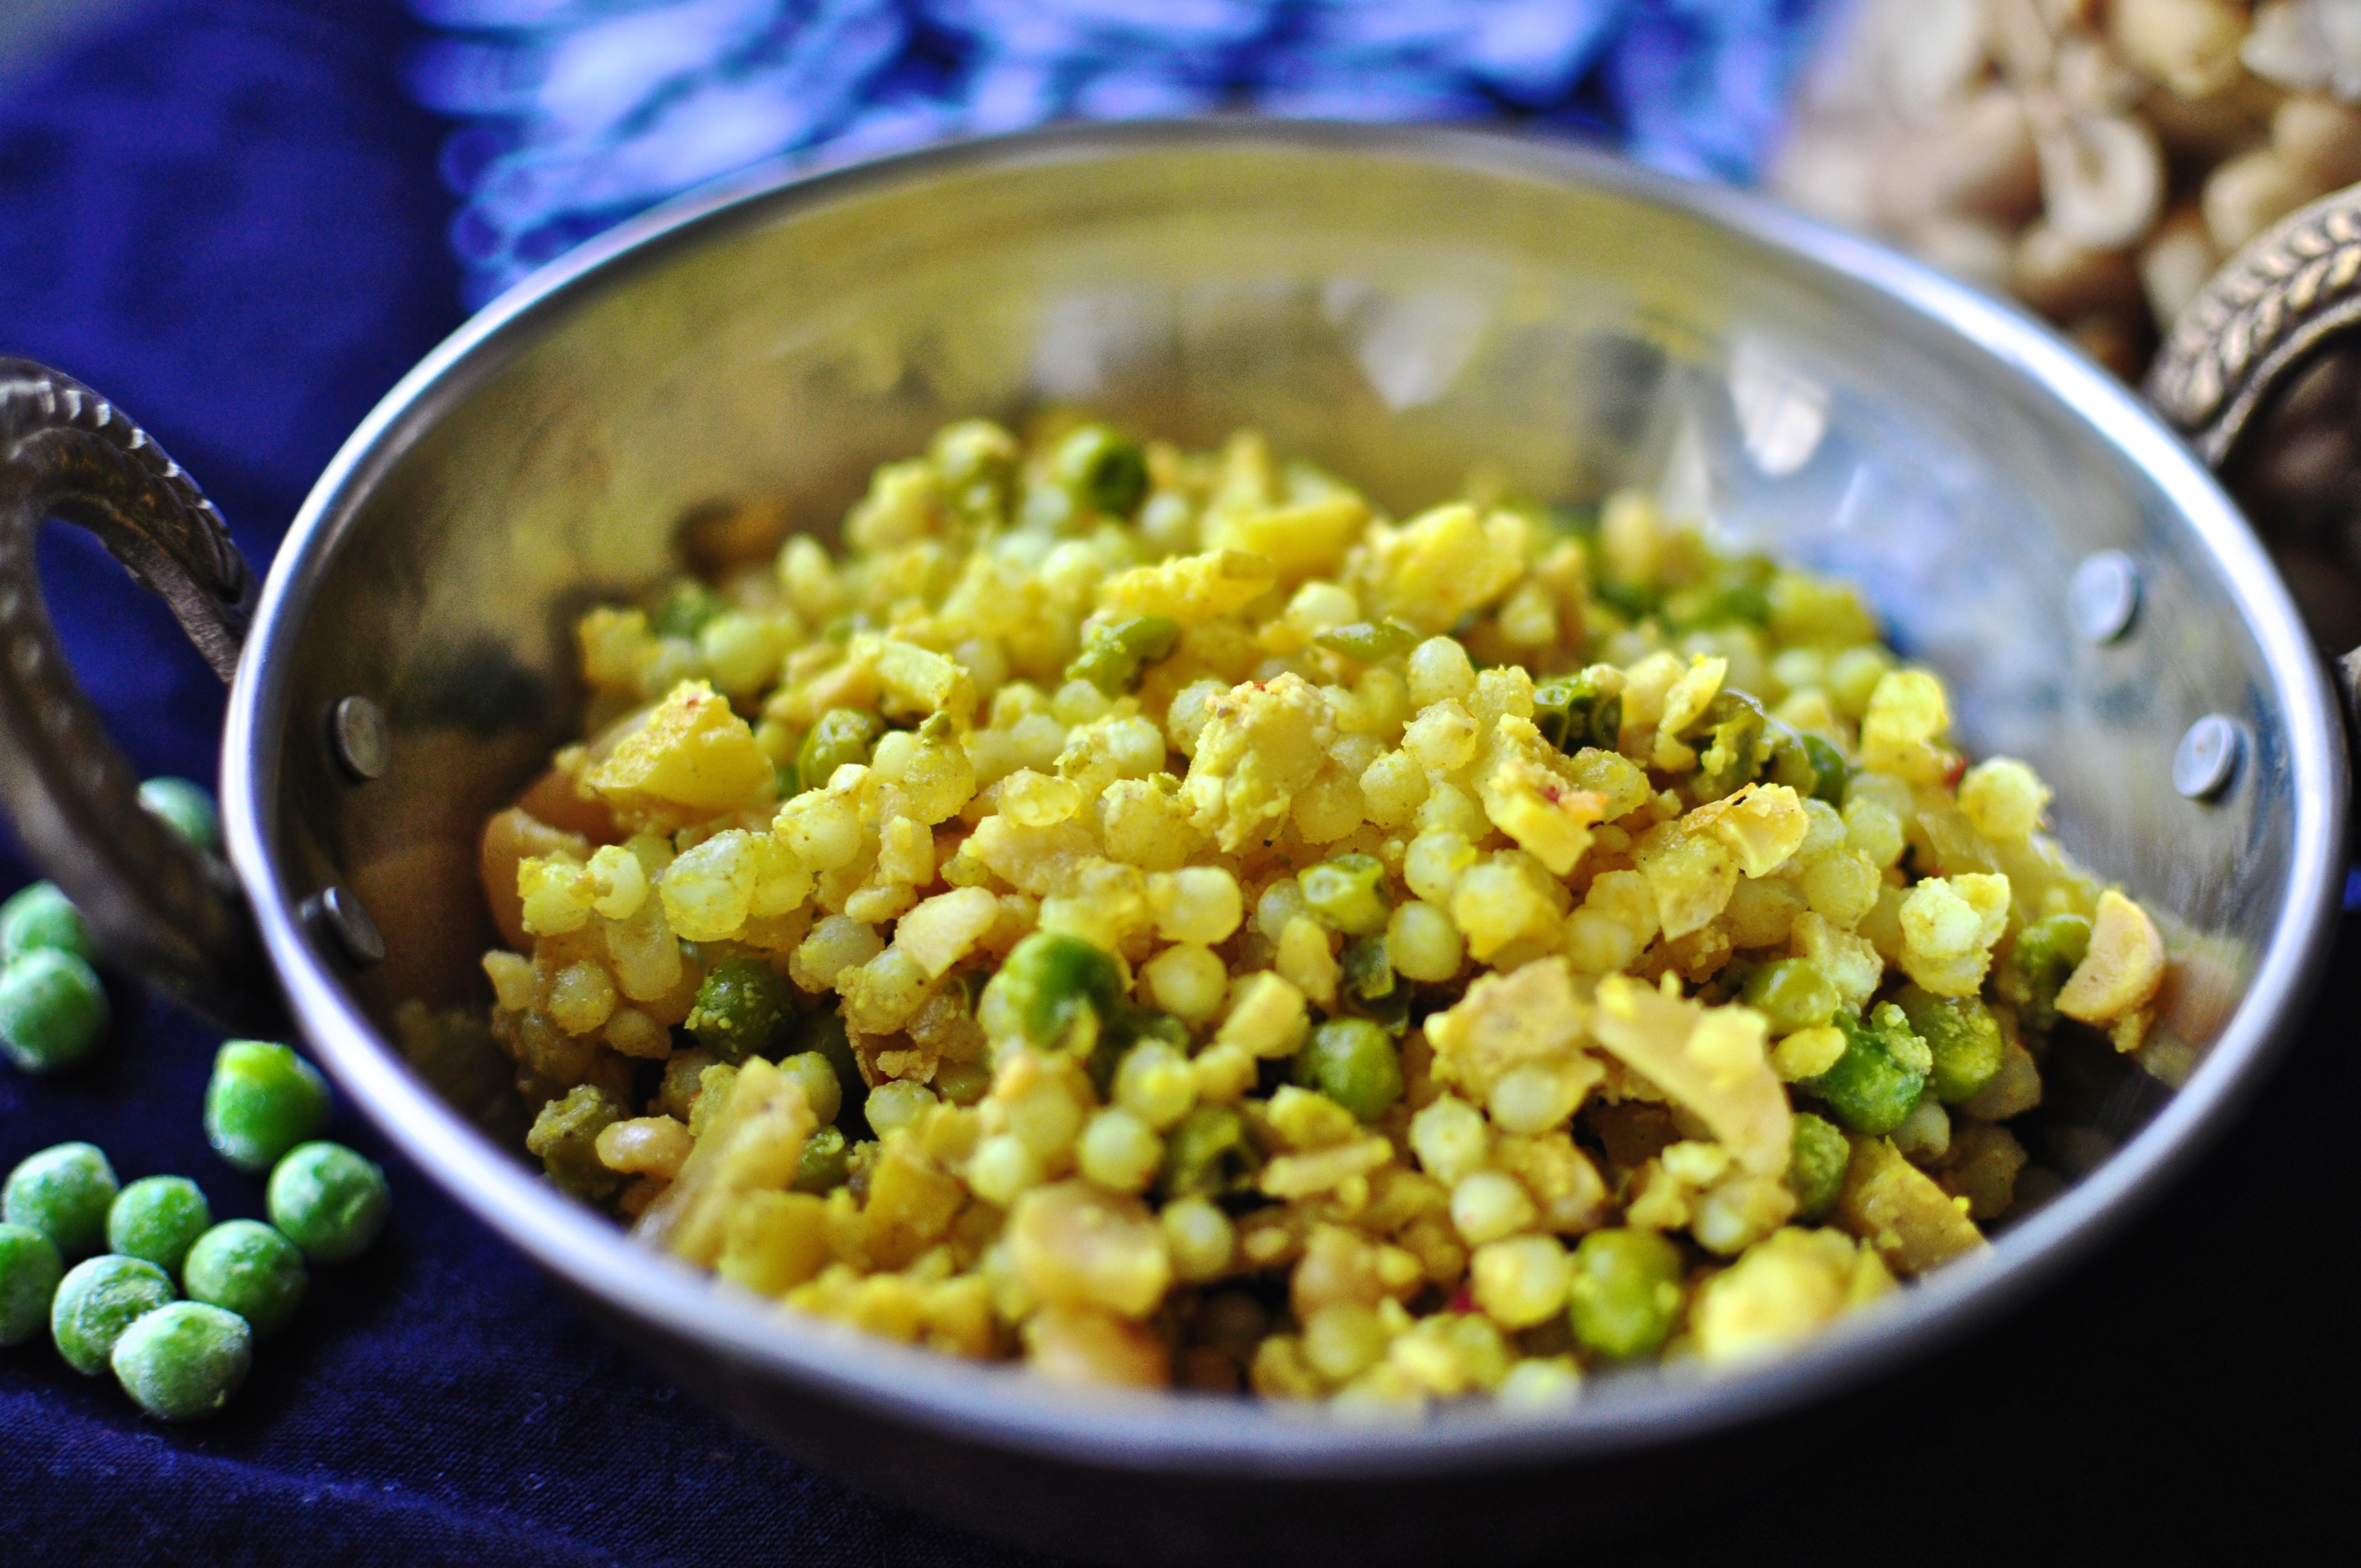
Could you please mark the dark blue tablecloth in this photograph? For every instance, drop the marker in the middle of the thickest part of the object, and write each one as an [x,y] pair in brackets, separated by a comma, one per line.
[225,216]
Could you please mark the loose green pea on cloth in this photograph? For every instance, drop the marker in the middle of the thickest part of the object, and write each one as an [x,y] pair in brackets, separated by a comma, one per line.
[63,1192]
[184,1360]
[249,1268]
[97,1300]
[29,1271]
[328,1200]
[53,1009]
[262,1100]
[157,1218]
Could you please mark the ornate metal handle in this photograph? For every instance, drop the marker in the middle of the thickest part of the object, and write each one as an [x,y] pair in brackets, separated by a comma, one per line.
[2258,375]
[170,912]
[2260,317]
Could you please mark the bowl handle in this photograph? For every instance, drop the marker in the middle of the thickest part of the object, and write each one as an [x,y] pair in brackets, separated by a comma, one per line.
[2262,374]
[166,911]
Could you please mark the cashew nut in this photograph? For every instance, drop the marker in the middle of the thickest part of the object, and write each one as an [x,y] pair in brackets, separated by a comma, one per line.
[2202,132]
[2023,39]
[2320,138]
[2064,280]
[1931,50]
[2121,972]
[2176,262]
[1965,248]
[2306,45]
[2090,77]
[2101,179]
[2285,46]
[2191,46]
[2249,194]
[1980,164]
[1830,171]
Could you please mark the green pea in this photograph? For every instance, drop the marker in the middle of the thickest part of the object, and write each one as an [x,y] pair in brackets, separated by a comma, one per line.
[824,1034]
[1101,469]
[1575,711]
[1348,893]
[184,1361]
[976,461]
[1117,653]
[842,735]
[1785,759]
[1830,772]
[685,609]
[1815,1164]
[329,1200]
[785,780]
[1352,1062]
[53,1008]
[64,1192]
[29,1271]
[263,1101]
[40,915]
[2047,951]
[844,629]
[1634,601]
[247,1267]
[1209,1152]
[187,808]
[1791,995]
[564,1138]
[1962,1036]
[824,1165]
[963,1082]
[823,1090]
[1739,743]
[1367,971]
[1124,1025]
[1051,980]
[1627,1292]
[743,1007]
[99,1299]
[1370,642]
[1877,1082]
[1734,591]
[157,1218]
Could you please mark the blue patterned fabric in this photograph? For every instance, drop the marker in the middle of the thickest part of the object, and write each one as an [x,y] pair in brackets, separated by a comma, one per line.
[582,111]
[224,213]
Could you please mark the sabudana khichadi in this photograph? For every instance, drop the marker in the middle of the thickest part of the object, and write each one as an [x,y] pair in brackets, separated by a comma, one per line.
[1151,914]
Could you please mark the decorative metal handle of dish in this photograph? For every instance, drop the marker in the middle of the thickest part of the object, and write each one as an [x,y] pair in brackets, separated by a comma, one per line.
[2262,375]
[158,907]
[2255,376]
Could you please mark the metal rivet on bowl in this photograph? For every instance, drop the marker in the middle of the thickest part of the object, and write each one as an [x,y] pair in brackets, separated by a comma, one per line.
[340,915]
[2104,597]
[2207,759]
[356,727]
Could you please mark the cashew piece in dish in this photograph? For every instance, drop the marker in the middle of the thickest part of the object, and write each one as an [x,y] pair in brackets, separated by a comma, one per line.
[2121,972]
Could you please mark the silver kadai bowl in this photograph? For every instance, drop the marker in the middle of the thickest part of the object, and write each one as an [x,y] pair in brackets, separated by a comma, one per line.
[1392,304]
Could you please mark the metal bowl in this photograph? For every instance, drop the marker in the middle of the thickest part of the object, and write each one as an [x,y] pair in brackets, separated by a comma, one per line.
[1392,304]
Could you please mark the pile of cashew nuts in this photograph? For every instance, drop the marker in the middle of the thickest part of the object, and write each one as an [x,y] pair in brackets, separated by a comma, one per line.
[2097,158]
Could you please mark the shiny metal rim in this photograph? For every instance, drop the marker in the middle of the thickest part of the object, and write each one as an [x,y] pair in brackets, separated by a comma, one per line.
[1203,1434]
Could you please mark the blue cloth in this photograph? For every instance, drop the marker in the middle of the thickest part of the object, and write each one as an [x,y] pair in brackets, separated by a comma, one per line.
[223,212]
[583,112]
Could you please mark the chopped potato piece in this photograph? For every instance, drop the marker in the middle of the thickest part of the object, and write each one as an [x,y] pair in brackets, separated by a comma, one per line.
[1896,1208]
